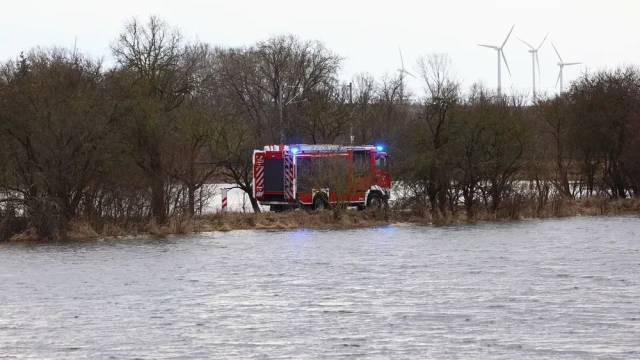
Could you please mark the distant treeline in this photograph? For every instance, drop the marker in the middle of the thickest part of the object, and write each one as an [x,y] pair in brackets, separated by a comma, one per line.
[137,141]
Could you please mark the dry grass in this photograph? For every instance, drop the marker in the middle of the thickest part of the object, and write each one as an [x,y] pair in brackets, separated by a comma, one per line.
[594,206]
[82,230]
[288,220]
[28,235]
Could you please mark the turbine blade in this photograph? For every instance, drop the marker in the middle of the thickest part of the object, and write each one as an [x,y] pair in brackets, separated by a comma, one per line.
[573,63]
[410,74]
[529,45]
[505,40]
[545,38]
[559,74]
[401,60]
[554,48]
[538,61]
[505,61]
[489,46]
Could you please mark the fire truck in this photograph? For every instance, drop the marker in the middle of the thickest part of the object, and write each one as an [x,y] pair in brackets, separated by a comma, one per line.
[288,176]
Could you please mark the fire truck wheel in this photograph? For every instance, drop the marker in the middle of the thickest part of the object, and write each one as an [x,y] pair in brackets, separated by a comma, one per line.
[375,201]
[319,203]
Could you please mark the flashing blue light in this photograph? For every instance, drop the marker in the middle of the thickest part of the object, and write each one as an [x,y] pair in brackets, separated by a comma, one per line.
[295,150]
[379,148]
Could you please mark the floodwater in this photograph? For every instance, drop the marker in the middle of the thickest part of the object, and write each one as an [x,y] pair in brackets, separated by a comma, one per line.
[561,289]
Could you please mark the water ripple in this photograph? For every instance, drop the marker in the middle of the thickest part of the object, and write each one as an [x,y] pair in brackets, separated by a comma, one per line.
[563,289]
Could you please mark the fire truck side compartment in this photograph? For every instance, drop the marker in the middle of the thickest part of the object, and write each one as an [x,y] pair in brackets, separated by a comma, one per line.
[304,174]
[274,175]
[310,168]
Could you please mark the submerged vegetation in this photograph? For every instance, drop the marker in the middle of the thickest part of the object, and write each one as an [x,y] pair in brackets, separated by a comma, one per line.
[88,150]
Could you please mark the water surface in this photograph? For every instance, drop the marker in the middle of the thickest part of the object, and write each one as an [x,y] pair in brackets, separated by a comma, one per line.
[564,289]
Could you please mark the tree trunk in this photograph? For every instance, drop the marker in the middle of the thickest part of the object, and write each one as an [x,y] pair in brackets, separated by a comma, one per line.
[63,202]
[157,199]
[432,193]
[158,210]
[467,194]
[618,183]
[496,197]
[158,206]
[191,199]
[442,198]
[254,203]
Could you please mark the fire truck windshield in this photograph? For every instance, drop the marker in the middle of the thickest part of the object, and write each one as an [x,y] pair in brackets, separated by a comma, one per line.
[381,162]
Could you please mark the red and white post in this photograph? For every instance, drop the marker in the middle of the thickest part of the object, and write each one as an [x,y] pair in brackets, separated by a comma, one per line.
[223,192]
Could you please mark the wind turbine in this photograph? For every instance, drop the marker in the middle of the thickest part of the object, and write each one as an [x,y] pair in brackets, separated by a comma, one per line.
[562,64]
[402,71]
[500,57]
[534,59]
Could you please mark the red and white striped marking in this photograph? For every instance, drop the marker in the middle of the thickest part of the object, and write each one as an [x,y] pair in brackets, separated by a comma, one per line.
[288,177]
[224,199]
[258,175]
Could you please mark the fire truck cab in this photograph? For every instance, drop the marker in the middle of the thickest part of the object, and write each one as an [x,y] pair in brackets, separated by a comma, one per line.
[283,176]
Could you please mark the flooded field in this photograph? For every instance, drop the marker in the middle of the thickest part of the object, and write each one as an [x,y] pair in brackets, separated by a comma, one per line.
[562,289]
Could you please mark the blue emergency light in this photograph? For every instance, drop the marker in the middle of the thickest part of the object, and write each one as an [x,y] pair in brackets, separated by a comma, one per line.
[379,147]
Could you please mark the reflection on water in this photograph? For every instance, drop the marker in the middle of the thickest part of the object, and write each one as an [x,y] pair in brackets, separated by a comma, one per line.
[549,289]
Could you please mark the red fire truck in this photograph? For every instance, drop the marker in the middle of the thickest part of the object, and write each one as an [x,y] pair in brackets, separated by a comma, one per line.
[283,176]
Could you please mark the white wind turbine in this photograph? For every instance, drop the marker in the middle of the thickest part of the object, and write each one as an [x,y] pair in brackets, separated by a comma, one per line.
[534,60]
[500,57]
[402,72]
[562,64]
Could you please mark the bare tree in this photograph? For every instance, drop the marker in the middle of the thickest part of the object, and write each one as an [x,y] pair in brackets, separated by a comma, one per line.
[605,103]
[557,124]
[157,69]
[325,116]
[289,69]
[233,150]
[435,127]
[56,128]
[197,129]
[503,147]
[265,80]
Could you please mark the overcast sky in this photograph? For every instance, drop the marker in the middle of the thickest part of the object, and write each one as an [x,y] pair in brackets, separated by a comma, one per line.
[366,33]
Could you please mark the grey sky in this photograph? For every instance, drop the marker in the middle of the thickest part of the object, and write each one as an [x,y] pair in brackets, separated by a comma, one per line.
[367,33]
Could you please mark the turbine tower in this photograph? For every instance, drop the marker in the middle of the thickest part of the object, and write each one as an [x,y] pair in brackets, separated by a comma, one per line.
[500,57]
[562,65]
[534,60]
[402,72]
